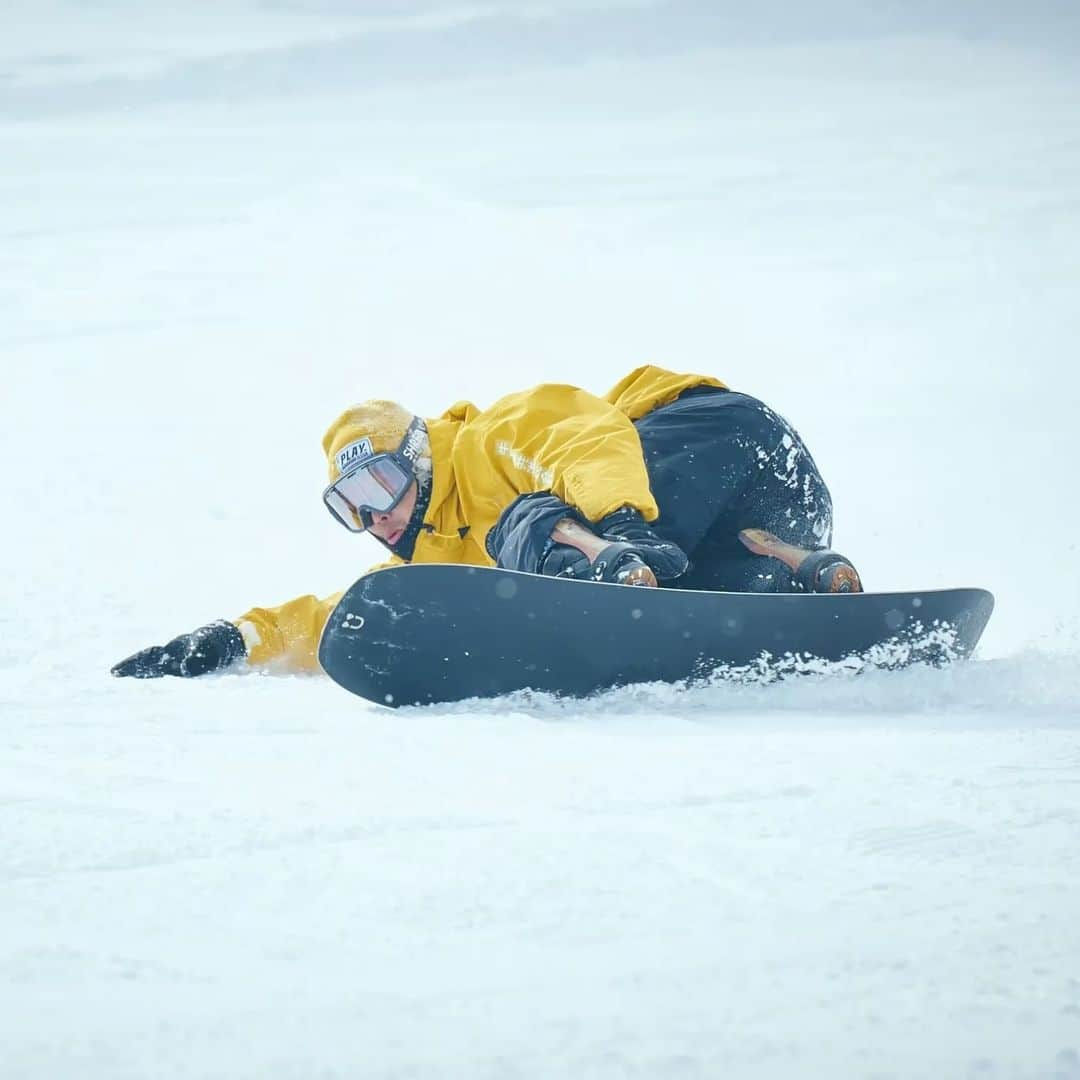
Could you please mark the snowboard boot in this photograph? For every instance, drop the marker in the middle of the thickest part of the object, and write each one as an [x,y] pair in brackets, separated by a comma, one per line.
[815,571]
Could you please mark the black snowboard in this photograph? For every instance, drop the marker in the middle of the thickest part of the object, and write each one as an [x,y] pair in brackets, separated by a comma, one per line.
[429,633]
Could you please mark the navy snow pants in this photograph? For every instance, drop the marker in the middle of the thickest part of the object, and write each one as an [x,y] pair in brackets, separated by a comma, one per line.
[718,462]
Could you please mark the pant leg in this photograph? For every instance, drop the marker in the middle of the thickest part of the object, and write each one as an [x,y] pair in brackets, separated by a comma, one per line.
[789,496]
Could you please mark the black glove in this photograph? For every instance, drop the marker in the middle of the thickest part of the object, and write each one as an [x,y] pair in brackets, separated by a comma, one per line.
[627,526]
[207,649]
[615,563]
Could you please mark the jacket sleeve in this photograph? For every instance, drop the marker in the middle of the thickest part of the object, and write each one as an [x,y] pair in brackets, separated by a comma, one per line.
[561,439]
[522,537]
[286,638]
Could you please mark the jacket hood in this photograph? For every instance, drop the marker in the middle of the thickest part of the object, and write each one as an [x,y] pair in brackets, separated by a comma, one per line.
[648,387]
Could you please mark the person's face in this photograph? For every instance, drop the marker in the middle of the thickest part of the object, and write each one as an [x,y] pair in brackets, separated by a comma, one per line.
[389,526]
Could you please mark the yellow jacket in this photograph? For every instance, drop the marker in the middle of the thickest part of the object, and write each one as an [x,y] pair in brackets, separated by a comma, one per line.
[582,448]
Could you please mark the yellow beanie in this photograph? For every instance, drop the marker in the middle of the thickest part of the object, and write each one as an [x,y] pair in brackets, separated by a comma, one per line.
[373,427]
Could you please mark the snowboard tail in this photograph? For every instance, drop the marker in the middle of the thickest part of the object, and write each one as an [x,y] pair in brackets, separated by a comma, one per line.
[422,634]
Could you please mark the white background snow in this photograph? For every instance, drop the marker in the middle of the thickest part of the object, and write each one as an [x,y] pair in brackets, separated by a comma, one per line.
[221,223]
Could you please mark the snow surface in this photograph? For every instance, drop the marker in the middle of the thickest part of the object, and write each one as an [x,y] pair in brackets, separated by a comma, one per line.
[223,222]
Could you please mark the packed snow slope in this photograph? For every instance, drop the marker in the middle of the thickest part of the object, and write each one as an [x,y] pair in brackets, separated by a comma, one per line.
[221,223]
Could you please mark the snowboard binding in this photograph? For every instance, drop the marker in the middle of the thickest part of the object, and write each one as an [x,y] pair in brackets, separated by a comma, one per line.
[617,563]
[815,571]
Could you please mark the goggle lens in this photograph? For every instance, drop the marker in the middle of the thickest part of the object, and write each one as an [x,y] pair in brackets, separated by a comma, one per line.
[375,486]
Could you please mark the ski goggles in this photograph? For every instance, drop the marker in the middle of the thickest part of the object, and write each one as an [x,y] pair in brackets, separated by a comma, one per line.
[373,483]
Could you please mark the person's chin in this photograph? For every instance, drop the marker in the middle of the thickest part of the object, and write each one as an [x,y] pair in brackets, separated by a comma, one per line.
[395,536]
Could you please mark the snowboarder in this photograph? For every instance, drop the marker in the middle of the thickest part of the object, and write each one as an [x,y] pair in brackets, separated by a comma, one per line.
[669,478]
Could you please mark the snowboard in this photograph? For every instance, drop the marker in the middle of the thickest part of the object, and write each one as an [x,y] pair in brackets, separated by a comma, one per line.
[420,634]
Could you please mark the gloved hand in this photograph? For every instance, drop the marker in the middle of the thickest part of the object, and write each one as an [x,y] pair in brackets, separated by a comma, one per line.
[627,526]
[207,649]
[619,564]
